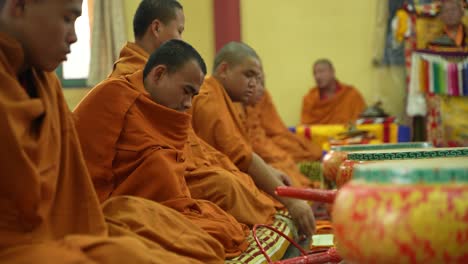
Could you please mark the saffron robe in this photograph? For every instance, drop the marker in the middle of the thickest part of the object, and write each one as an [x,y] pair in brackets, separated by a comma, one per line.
[298,147]
[267,149]
[343,107]
[218,121]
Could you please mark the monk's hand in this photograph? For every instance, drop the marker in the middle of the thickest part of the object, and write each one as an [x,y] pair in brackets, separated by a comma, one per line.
[303,215]
[281,176]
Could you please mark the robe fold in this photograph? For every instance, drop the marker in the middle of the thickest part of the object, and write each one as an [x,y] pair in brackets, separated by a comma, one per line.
[131,59]
[50,211]
[298,147]
[211,175]
[343,107]
[134,146]
[216,120]
[266,148]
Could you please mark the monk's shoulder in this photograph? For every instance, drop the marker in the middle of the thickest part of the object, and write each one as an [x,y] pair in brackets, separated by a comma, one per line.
[113,91]
[207,98]
[111,98]
[351,90]
[312,95]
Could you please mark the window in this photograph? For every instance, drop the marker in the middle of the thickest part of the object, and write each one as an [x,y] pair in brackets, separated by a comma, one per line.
[74,71]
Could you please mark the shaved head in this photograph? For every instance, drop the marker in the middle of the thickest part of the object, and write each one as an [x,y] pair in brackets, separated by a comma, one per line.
[238,67]
[451,12]
[234,53]
[149,10]
[323,62]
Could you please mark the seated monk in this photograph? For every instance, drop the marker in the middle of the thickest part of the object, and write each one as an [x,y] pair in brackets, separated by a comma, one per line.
[331,102]
[216,120]
[133,132]
[266,148]
[154,22]
[454,32]
[210,175]
[298,147]
[50,212]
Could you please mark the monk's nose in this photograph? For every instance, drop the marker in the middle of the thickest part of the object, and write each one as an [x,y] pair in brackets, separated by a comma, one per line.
[188,103]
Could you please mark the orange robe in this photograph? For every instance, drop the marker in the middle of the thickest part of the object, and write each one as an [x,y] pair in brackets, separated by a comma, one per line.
[267,149]
[218,121]
[298,147]
[132,58]
[50,211]
[343,107]
[134,146]
[210,175]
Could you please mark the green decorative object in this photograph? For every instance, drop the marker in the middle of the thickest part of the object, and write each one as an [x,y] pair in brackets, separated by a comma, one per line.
[408,154]
[363,147]
[312,170]
[338,154]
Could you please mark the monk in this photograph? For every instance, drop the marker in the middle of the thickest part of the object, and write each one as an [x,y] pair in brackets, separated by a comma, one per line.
[266,148]
[210,175]
[454,32]
[331,102]
[50,212]
[154,22]
[298,147]
[216,120]
[133,132]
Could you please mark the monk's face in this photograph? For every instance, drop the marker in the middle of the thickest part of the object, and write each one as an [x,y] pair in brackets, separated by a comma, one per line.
[324,75]
[451,13]
[259,91]
[173,29]
[240,80]
[175,90]
[45,28]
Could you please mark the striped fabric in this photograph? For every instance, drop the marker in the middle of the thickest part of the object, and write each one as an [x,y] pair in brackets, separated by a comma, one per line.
[434,73]
[274,244]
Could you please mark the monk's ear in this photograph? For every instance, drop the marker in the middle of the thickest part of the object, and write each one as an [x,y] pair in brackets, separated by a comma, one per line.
[157,73]
[156,27]
[222,69]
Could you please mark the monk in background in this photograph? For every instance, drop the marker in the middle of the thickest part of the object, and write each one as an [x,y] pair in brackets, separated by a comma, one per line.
[155,22]
[298,147]
[50,212]
[216,120]
[210,175]
[331,102]
[263,146]
[135,129]
[454,32]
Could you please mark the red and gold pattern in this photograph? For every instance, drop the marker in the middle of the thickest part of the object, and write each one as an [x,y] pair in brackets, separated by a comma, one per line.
[345,172]
[385,223]
[331,163]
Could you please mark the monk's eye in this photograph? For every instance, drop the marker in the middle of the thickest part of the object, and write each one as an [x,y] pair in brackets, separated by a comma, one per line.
[249,74]
[188,91]
[69,19]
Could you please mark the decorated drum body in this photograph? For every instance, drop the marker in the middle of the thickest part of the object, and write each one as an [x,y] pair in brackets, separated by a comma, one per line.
[408,211]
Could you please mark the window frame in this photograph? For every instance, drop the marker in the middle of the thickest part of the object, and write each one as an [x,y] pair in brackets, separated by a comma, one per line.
[70,83]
